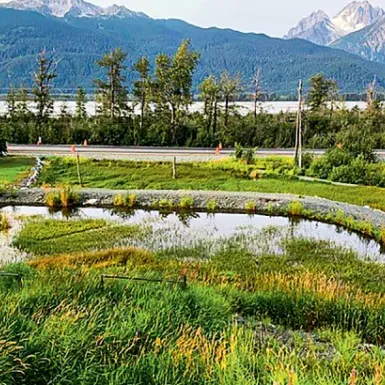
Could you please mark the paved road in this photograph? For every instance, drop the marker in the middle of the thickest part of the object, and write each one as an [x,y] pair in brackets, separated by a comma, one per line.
[145,151]
[135,151]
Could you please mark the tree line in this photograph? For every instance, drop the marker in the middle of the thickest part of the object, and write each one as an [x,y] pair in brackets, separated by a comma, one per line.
[163,95]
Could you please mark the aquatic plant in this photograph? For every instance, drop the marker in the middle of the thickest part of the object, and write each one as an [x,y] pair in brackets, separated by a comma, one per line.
[250,206]
[211,205]
[126,201]
[186,202]
[65,197]
[295,208]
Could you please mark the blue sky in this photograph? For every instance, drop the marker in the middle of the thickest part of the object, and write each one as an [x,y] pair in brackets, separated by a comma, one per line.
[273,17]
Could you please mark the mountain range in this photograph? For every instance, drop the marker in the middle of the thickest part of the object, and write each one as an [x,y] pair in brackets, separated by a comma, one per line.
[66,8]
[320,29]
[359,29]
[77,34]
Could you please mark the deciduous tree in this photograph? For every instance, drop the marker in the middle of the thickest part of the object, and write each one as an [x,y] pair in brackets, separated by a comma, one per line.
[112,93]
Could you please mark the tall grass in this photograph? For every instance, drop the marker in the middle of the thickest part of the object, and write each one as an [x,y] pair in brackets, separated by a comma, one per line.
[306,316]
[4,222]
[65,197]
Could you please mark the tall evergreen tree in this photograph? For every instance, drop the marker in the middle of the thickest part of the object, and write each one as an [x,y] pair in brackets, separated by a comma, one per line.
[43,81]
[11,103]
[210,94]
[81,111]
[320,92]
[22,109]
[112,93]
[142,87]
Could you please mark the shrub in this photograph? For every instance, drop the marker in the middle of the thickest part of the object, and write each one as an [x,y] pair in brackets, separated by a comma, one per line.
[295,208]
[52,199]
[238,151]
[130,200]
[124,201]
[118,200]
[63,198]
[248,155]
[250,206]
[166,204]
[354,173]
[307,159]
[187,203]
[323,167]
[211,205]
[358,141]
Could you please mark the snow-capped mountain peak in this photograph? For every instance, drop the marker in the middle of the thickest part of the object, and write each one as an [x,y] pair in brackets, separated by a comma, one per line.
[316,28]
[320,29]
[76,8]
[357,15]
[121,11]
[309,22]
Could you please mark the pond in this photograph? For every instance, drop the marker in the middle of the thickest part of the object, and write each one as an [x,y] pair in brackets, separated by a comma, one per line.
[261,234]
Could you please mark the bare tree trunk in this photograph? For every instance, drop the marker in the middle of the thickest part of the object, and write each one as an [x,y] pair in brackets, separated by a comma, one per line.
[215,118]
[209,119]
[112,83]
[173,114]
[143,102]
[226,110]
[257,82]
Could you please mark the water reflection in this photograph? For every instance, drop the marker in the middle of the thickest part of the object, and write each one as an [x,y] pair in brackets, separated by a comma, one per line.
[188,228]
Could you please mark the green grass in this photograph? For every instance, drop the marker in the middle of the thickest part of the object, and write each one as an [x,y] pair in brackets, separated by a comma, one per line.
[13,169]
[216,176]
[324,302]
[50,237]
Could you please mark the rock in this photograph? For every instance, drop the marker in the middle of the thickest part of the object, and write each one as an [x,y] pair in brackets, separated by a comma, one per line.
[91,202]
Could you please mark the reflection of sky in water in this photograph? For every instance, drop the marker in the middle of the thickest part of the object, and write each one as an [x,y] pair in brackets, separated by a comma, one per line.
[256,232]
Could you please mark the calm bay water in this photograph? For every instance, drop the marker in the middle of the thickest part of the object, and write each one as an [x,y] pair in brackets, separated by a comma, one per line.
[244,107]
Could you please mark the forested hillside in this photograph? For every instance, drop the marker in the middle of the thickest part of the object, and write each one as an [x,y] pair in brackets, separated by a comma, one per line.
[78,42]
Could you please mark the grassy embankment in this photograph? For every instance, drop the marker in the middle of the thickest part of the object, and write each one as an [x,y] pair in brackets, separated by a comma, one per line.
[220,175]
[64,327]
[14,169]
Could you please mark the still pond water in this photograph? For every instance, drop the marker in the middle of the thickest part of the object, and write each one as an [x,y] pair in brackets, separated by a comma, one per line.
[260,233]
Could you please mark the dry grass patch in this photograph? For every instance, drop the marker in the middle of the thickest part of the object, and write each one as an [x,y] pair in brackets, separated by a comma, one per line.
[97,259]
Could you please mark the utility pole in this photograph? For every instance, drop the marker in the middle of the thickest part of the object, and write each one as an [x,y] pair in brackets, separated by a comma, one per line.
[257,89]
[298,131]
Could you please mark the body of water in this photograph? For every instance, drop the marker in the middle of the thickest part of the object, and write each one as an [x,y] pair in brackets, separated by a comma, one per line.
[243,107]
[262,234]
